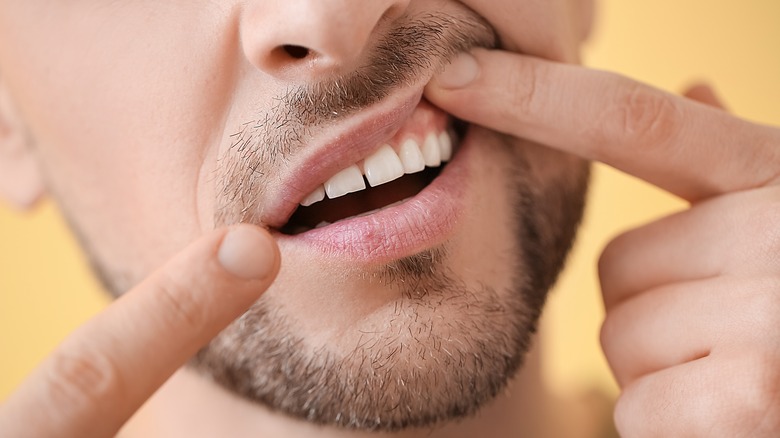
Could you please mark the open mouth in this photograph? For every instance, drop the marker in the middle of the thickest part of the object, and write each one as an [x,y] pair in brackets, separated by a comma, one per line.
[390,175]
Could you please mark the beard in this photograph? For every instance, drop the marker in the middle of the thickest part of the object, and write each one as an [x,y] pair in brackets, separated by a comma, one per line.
[416,368]
[409,366]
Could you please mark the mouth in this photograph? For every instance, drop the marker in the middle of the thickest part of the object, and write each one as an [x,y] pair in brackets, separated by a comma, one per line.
[378,189]
[399,170]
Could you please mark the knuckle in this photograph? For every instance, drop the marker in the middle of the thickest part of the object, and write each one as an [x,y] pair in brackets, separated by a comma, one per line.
[641,117]
[522,85]
[609,338]
[610,269]
[607,334]
[610,255]
[81,377]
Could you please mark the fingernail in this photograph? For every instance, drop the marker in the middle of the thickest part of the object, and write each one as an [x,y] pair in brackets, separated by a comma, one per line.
[462,71]
[247,252]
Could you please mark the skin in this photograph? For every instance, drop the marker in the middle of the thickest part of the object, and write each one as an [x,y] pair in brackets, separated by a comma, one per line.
[637,274]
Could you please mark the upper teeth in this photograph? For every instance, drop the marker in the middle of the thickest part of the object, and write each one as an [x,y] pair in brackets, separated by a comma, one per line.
[386,164]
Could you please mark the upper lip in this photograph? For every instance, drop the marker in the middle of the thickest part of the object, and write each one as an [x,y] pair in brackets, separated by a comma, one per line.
[353,140]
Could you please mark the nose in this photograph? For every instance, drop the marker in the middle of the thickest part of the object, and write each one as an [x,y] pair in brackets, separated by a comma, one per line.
[306,39]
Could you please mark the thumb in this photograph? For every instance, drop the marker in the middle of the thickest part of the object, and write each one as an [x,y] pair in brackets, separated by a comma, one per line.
[101,374]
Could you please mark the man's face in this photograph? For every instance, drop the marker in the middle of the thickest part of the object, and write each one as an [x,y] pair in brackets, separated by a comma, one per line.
[399,305]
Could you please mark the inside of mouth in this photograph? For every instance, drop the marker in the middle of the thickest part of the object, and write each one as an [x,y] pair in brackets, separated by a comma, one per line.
[329,211]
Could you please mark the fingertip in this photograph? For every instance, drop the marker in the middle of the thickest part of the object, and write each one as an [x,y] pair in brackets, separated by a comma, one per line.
[462,71]
[249,252]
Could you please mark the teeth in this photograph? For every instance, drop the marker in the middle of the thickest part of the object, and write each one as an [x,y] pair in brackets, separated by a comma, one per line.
[348,180]
[431,152]
[445,146]
[316,196]
[383,166]
[411,157]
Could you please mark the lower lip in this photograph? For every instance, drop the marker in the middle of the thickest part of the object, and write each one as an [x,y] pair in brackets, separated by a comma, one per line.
[422,222]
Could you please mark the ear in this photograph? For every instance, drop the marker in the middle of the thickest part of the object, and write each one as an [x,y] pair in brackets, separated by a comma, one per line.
[21,181]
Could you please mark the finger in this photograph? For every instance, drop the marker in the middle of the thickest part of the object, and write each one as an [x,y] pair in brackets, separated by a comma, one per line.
[713,396]
[690,149]
[705,94]
[105,370]
[681,322]
[686,246]
[735,233]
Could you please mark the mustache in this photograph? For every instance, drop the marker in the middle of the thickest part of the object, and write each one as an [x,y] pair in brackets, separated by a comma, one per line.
[423,45]
[410,51]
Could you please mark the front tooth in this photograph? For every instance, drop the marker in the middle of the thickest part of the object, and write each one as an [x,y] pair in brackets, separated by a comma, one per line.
[430,151]
[383,166]
[316,196]
[411,157]
[348,180]
[445,146]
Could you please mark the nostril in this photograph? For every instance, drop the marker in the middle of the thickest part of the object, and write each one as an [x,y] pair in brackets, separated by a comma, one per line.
[296,52]
[286,59]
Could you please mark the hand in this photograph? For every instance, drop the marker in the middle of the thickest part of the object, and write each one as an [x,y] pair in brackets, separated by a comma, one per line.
[693,300]
[105,370]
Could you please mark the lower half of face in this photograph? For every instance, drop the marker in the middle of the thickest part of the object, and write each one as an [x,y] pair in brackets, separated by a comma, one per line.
[387,313]
[380,339]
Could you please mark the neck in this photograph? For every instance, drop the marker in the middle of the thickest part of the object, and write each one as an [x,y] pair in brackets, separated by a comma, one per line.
[190,406]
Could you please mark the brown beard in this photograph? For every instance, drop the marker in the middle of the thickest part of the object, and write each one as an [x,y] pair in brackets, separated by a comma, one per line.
[401,376]
[405,376]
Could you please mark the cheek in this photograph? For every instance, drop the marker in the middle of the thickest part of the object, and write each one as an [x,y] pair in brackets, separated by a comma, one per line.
[487,250]
[126,105]
[553,170]
[524,186]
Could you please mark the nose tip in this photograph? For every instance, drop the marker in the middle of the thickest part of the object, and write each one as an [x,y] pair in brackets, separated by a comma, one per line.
[306,39]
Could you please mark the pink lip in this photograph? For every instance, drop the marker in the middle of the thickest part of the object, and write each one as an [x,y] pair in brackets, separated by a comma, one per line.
[352,141]
[420,222]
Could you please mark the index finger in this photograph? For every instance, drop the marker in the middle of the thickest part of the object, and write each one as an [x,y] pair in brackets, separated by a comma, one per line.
[687,148]
[101,374]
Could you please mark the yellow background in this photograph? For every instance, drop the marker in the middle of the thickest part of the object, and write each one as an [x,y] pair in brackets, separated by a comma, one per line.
[46,290]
